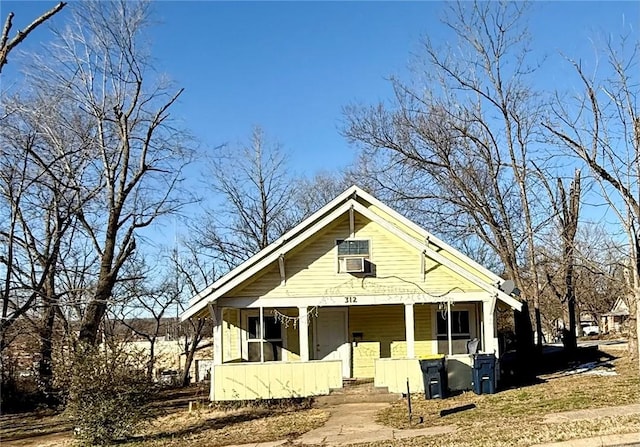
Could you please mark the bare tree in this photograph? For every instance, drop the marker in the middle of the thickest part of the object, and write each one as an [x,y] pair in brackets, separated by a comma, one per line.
[40,205]
[192,271]
[256,188]
[6,44]
[308,195]
[568,211]
[457,146]
[100,66]
[602,128]
[144,303]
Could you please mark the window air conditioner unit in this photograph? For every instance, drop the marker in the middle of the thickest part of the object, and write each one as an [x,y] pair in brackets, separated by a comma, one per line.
[353,265]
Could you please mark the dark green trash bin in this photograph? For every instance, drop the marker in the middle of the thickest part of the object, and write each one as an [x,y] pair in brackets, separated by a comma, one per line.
[484,373]
[434,377]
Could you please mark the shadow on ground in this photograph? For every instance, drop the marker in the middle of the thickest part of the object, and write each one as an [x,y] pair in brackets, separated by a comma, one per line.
[522,372]
[202,426]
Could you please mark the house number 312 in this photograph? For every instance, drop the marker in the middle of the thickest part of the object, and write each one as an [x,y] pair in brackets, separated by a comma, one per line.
[350,299]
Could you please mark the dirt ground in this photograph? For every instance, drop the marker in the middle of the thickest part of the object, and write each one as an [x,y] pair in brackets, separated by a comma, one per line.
[510,417]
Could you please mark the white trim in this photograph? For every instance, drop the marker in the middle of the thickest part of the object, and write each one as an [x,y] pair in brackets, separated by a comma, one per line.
[409,327]
[449,334]
[345,196]
[352,223]
[248,302]
[474,328]
[489,341]
[245,271]
[428,236]
[341,204]
[303,333]
[368,256]
[244,338]
[216,313]
[438,257]
[283,275]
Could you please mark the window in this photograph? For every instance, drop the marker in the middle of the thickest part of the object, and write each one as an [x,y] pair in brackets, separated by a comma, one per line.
[353,256]
[459,325]
[272,342]
[353,248]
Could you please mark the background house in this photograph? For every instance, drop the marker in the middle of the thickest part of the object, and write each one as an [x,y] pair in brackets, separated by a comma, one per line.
[615,321]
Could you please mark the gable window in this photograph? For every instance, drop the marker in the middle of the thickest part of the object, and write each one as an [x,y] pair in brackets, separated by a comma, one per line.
[271,343]
[459,325]
[353,256]
[356,247]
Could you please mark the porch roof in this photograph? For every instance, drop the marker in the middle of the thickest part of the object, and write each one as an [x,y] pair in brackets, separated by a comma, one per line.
[351,199]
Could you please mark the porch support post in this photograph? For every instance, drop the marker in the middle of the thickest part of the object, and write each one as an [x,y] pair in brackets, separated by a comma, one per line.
[303,333]
[409,325]
[489,343]
[449,340]
[216,316]
[261,334]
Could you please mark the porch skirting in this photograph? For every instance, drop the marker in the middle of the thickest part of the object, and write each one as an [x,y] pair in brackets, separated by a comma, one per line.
[275,380]
[281,380]
[394,373]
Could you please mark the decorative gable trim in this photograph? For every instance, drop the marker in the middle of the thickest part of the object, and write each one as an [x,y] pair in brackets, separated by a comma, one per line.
[345,203]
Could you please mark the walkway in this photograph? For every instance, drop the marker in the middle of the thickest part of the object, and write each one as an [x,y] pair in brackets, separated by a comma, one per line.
[355,423]
[351,423]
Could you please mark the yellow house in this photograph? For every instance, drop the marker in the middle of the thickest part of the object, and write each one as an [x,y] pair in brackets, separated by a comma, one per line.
[354,291]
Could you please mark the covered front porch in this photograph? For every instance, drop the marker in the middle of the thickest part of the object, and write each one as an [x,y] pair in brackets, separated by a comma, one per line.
[279,351]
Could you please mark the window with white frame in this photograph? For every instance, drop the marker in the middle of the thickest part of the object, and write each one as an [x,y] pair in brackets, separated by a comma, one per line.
[459,325]
[353,256]
[270,339]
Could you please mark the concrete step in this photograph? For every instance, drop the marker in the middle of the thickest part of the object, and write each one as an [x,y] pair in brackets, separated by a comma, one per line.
[360,389]
[346,398]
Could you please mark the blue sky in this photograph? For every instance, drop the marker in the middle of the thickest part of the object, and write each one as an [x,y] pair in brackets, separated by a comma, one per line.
[292,66]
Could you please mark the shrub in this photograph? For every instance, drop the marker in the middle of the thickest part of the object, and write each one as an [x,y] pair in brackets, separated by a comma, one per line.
[109,396]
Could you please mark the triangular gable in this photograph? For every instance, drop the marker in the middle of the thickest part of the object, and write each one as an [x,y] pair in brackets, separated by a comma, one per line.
[620,307]
[412,234]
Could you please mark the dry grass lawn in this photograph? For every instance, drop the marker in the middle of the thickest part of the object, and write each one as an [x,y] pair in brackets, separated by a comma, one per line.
[515,417]
[509,418]
[208,428]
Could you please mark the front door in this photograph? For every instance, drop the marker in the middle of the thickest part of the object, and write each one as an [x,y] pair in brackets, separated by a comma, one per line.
[332,341]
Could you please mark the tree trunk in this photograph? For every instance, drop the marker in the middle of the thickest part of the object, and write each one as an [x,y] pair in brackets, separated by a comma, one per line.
[152,358]
[524,343]
[45,366]
[538,325]
[191,351]
[634,326]
[98,305]
[569,339]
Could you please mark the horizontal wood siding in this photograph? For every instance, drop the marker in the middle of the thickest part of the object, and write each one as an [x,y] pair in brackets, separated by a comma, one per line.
[462,264]
[415,235]
[275,380]
[394,373]
[293,335]
[311,269]
[230,335]
[383,330]
[423,317]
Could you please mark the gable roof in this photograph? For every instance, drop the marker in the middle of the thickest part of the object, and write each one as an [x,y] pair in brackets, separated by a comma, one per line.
[324,216]
[619,309]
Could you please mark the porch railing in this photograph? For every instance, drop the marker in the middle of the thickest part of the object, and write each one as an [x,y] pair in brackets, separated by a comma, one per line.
[275,380]
[393,373]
